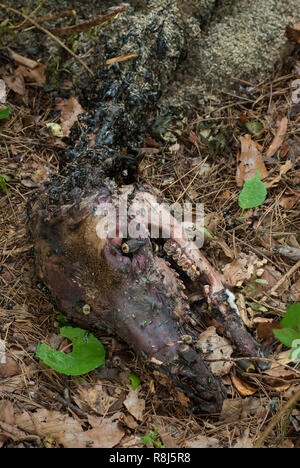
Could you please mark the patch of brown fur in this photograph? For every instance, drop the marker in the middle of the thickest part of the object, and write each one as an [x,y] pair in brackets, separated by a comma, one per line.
[83,246]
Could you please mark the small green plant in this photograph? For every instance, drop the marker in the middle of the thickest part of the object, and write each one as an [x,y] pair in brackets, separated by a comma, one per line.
[151,438]
[93,33]
[61,320]
[88,353]
[26,10]
[6,31]
[252,286]
[256,307]
[4,113]
[289,335]
[135,381]
[253,193]
[73,41]
[55,69]
[3,180]
[254,127]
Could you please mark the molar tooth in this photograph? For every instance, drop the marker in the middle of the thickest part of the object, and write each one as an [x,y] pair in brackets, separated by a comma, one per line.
[187,265]
[170,246]
[176,257]
[193,274]
[182,261]
[184,296]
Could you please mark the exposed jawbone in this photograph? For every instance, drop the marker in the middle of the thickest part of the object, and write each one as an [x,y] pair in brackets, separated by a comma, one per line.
[138,297]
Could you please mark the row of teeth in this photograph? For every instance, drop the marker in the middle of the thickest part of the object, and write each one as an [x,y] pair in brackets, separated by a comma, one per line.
[174,251]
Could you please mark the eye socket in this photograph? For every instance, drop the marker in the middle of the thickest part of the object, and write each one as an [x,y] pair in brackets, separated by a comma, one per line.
[125,248]
[155,247]
[131,246]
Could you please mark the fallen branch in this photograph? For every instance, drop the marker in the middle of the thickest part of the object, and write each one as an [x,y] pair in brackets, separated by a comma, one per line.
[121,58]
[8,253]
[50,17]
[68,30]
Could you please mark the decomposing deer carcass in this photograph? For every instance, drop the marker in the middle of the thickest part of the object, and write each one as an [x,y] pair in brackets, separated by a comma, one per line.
[137,294]
[117,281]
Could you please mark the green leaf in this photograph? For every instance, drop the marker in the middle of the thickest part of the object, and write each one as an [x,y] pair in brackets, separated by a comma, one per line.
[205,133]
[295,353]
[254,192]
[149,438]
[287,336]
[258,307]
[146,439]
[88,353]
[4,113]
[61,320]
[3,184]
[135,381]
[291,318]
[254,127]
[207,233]
[261,281]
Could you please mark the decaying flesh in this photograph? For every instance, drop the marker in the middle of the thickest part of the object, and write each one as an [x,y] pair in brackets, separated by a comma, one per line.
[138,297]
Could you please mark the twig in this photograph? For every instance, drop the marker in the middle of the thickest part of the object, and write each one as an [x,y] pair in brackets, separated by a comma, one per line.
[233,104]
[50,17]
[285,277]
[289,404]
[182,186]
[187,188]
[87,24]
[67,404]
[182,177]
[30,15]
[16,251]
[121,58]
[49,34]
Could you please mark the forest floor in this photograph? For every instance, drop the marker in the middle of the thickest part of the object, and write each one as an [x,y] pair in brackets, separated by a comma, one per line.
[202,162]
